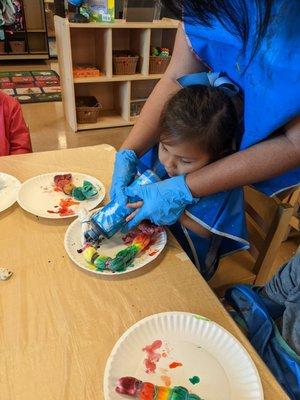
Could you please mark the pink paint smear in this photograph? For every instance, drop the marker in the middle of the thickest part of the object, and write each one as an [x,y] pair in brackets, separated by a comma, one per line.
[152,356]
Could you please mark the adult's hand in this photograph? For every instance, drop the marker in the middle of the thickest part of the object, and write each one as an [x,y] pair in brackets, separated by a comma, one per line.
[163,202]
[125,169]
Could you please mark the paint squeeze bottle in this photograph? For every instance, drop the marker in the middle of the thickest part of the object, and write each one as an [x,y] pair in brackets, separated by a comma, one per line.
[110,219]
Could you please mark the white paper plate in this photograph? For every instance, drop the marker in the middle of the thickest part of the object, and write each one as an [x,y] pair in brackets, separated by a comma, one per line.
[37,195]
[204,348]
[110,248]
[9,187]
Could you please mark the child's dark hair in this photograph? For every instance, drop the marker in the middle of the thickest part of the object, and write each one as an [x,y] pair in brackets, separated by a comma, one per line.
[201,114]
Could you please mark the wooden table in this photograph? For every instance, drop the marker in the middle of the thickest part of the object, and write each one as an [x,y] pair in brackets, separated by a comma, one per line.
[59,324]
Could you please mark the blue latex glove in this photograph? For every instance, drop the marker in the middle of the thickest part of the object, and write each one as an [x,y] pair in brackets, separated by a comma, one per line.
[164,202]
[125,170]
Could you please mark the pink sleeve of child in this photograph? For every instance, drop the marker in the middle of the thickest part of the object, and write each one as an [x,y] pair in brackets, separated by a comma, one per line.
[19,136]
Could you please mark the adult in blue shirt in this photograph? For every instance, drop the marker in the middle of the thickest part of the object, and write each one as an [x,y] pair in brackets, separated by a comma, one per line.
[256,43]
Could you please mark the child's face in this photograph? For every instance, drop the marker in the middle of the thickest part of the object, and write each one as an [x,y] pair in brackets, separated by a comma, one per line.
[182,158]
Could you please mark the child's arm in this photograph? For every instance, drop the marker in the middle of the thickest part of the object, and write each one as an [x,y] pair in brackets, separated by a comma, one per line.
[19,137]
[192,225]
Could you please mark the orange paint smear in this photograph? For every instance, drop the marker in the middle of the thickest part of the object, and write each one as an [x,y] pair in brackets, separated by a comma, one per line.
[64,209]
[175,365]
[153,253]
[142,241]
[166,380]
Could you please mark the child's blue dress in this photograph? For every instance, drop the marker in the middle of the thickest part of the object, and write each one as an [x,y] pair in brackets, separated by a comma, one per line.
[221,213]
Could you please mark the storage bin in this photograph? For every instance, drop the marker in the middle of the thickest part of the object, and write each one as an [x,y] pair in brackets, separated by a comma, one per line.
[85,71]
[158,64]
[87,109]
[125,63]
[17,46]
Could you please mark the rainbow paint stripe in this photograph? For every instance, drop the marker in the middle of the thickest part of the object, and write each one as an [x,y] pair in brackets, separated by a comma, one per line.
[123,259]
[147,391]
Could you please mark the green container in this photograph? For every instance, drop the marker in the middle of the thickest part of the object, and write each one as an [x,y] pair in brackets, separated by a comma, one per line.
[99,10]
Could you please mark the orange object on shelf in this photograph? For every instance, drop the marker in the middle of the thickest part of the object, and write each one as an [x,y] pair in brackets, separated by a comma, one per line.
[85,71]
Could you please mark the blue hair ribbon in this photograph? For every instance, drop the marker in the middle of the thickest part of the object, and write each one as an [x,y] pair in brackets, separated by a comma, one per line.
[213,79]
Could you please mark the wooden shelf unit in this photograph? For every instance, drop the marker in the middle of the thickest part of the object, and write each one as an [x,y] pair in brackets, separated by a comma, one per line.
[35,35]
[94,43]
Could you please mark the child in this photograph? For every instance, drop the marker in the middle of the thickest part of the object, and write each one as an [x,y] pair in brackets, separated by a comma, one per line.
[199,126]
[284,290]
[270,317]
[14,134]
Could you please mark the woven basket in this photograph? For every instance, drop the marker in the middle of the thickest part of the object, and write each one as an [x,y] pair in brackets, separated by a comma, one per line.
[158,64]
[17,46]
[87,109]
[125,64]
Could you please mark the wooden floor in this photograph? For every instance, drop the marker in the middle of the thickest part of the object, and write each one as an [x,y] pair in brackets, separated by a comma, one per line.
[49,131]
[48,128]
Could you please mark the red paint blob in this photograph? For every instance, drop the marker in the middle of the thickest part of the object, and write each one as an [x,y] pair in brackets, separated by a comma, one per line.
[147,392]
[175,365]
[152,356]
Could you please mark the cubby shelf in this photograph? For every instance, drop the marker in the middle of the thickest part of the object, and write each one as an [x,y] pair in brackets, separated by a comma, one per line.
[165,23]
[24,56]
[36,30]
[108,119]
[34,35]
[117,78]
[94,43]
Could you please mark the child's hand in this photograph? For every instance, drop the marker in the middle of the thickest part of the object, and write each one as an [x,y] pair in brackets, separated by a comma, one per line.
[162,202]
[136,206]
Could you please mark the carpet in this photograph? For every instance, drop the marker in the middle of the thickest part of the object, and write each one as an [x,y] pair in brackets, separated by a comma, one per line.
[31,86]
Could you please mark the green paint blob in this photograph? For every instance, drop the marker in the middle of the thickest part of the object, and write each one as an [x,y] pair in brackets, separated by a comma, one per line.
[77,194]
[89,190]
[194,380]
[123,259]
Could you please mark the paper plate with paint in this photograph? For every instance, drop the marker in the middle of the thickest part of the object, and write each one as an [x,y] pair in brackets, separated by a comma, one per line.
[181,349]
[110,249]
[9,187]
[52,195]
